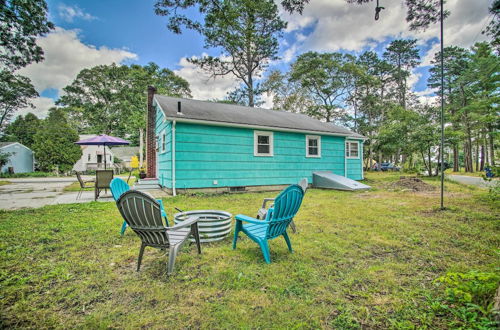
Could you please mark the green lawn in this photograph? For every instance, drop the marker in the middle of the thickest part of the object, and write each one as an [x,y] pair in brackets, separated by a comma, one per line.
[361,260]
[3,183]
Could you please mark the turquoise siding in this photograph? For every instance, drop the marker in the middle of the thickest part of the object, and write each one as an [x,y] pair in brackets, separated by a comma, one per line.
[164,159]
[206,153]
[355,166]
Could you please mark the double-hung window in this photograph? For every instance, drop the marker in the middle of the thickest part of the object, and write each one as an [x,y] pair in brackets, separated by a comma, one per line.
[352,149]
[163,141]
[263,144]
[313,146]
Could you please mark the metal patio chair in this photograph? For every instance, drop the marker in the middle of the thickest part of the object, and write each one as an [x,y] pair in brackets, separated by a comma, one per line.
[118,186]
[143,214]
[102,181]
[276,223]
[83,184]
[262,212]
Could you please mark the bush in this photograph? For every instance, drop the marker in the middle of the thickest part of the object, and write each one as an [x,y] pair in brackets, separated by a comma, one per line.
[468,299]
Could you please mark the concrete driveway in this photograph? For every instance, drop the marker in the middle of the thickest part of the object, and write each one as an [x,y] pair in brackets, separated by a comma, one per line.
[38,192]
[472,180]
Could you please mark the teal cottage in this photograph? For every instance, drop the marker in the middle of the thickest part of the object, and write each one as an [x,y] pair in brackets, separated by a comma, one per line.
[225,147]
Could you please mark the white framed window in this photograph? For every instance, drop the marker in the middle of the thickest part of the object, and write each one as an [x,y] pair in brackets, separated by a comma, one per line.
[313,146]
[352,149]
[163,141]
[263,144]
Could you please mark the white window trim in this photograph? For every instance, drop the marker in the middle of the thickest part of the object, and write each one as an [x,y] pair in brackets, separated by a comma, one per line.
[255,143]
[351,157]
[163,142]
[313,137]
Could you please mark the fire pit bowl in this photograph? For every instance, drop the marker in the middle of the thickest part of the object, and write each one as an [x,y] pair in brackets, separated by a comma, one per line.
[213,225]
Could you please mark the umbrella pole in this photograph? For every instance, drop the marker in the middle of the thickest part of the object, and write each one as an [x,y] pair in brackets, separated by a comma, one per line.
[105,156]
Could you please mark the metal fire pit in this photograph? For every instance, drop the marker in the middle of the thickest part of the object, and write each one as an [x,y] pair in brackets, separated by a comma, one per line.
[213,225]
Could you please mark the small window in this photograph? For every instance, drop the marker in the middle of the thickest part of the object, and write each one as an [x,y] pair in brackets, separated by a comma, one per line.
[163,142]
[88,158]
[313,146]
[352,149]
[263,143]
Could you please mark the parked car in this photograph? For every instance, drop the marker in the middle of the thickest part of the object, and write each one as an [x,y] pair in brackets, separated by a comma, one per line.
[389,167]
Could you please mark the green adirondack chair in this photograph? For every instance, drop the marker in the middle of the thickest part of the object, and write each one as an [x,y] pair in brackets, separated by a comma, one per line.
[276,223]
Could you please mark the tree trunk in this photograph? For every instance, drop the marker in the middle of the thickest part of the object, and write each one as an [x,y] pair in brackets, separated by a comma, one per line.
[492,146]
[438,167]
[141,146]
[477,154]
[456,165]
[251,102]
[483,156]
[429,160]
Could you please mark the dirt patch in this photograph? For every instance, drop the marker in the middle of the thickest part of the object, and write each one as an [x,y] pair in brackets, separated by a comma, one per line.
[411,184]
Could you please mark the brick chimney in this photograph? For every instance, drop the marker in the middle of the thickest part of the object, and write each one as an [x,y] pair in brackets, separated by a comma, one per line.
[150,136]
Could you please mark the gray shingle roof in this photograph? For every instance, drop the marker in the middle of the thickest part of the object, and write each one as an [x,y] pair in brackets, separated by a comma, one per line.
[237,114]
[125,153]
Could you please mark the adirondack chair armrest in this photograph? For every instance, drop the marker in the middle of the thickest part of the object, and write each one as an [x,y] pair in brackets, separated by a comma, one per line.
[266,200]
[241,217]
[186,223]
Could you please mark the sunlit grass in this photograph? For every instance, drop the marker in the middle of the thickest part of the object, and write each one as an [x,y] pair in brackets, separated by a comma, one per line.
[361,259]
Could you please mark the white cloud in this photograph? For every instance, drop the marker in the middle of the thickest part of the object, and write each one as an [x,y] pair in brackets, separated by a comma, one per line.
[41,106]
[69,13]
[65,57]
[338,25]
[203,87]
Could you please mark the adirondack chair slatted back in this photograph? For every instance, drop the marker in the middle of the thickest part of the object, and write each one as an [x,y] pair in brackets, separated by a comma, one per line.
[118,187]
[103,178]
[142,213]
[285,207]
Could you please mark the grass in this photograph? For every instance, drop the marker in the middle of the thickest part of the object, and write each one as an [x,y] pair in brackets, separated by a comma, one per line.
[3,183]
[27,175]
[361,260]
[75,186]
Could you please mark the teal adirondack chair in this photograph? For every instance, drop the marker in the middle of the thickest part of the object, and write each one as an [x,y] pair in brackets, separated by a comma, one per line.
[276,223]
[118,187]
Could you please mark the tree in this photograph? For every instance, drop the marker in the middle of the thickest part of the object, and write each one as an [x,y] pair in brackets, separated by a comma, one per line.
[15,92]
[94,99]
[287,95]
[4,158]
[54,144]
[455,60]
[22,22]
[23,129]
[246,32]
[327,79]
[493,29]
[403,55]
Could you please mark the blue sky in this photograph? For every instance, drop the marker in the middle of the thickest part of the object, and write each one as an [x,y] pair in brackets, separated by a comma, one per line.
[96,32]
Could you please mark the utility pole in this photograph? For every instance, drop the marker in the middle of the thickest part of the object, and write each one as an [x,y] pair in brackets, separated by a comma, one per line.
[441,154]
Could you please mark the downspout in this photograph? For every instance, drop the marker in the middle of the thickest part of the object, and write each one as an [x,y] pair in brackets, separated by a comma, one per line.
[345,158]
[173,159]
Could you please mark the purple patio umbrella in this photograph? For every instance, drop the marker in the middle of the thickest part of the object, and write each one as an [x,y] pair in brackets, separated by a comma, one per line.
[103,140]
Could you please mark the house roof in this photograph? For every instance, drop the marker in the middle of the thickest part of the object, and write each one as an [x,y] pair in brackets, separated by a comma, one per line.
[125,153]
[223,113]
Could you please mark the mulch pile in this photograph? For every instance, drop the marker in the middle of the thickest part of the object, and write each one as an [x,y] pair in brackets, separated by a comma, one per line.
[411,184]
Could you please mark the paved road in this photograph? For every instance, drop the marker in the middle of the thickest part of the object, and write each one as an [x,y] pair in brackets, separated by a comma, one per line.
[38,192]
[472,180]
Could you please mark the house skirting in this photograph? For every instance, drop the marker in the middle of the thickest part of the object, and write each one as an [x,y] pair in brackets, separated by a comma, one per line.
[221,190]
